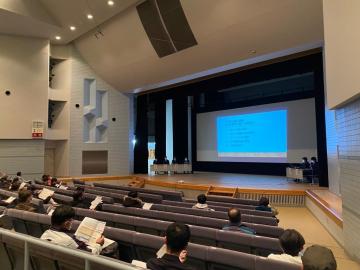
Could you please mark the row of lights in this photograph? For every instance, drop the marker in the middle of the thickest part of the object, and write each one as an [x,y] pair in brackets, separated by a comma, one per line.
[89,16]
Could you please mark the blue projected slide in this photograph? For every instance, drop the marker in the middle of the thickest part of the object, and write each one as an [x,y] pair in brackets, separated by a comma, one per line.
[254,135]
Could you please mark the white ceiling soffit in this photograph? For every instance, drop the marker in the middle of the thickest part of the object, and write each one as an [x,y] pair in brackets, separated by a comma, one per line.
[227,32]
[50,18]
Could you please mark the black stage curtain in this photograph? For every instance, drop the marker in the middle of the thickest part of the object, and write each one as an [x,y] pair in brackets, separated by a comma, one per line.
[160,129]
[180,127]
[141,133]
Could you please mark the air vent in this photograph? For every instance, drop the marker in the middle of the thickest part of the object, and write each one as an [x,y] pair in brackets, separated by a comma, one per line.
[166,26]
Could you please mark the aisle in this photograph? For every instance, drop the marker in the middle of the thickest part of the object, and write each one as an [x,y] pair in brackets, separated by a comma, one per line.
[302,220]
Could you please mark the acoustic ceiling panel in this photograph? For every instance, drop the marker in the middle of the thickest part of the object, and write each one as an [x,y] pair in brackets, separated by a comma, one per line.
[166,26]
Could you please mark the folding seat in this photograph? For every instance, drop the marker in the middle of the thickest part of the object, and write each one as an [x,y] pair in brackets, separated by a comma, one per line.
[210,222]
[124,239]
[234,240]
[197,255]
[203,235]
[259,220]
[262,263]
[146,246]
[150,226]
[265,230]
[150,198]
[223,259]
[33,227]
[62,199]
[264,246]
[256,213]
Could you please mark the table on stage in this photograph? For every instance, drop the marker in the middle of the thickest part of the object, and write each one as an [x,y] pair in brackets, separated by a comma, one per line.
[172,168]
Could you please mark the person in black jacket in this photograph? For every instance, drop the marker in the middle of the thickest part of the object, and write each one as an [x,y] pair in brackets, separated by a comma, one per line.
[176,240]
[132,200]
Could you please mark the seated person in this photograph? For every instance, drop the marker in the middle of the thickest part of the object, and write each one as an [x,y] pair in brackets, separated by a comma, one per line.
[3,198]
[318,258]
[155,161]
[132,200]
[235,222]
[265,206]
[305,163]
[59,232]
[201,204]
[24,201]
[292,243]
[174,161]
[15,184]
[45,178]
[78,199]
[4,182]
[18,175]
[314,164]
[176,241]
[186,161]
[166,161]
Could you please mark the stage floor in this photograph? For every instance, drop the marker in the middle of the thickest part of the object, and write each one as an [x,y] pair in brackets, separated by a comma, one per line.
[234,180]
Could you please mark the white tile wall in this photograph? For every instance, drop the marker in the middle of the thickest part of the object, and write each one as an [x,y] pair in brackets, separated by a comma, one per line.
[347,126]
[26,156]
[117,145]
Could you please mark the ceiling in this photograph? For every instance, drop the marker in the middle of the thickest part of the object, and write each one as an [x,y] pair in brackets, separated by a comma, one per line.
[228,32]
[50,18]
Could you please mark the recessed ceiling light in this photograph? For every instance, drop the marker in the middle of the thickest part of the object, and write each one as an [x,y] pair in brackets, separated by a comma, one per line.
[253,51]
[90,17]
[57,37]
[72,28]
[110,3]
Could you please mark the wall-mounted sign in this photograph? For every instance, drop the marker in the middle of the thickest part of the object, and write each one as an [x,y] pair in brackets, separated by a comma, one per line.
[37,131]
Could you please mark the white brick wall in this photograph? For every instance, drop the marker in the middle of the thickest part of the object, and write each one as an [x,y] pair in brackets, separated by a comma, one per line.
[118,141]
[26,156]
[347,123]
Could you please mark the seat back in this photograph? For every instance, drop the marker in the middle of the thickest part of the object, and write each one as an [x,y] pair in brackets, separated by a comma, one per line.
[215,198]
[213,204]
[167,195]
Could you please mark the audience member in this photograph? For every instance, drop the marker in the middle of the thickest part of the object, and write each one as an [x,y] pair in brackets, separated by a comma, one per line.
[78,199]
[318,258]
[24,201]
[176,240]
[15,184]
[132,200]
[235,222]
[166,161]
[60,231]
[4,182]
[265,206]
[19,175]
[201,204]
[292,244]
[174,161]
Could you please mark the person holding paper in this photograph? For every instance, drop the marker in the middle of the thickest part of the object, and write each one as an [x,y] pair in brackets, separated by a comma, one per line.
[174,251]
[78,199]
[60,231]
[24,201]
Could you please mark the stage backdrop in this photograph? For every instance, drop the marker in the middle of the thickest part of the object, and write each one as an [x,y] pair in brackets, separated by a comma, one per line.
[274,133]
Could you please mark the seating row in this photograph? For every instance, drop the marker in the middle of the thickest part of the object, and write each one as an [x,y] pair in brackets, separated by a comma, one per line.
[119,194]
[261,229]
[215,214]
[187,208]
[17,249]
[167,195]
[35,224]
[140,246]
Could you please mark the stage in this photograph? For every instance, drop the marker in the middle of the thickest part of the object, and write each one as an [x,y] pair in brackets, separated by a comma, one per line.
[230,180]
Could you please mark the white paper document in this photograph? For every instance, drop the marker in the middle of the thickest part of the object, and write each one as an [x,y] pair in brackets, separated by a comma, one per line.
[161,252]
[89,230]
[10,200]
[63,187]
[22,185]
[147,206]
[138,263]
[95,202]
[45,193]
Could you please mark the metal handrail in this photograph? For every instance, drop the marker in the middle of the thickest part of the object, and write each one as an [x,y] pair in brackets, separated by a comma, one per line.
[88,257]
